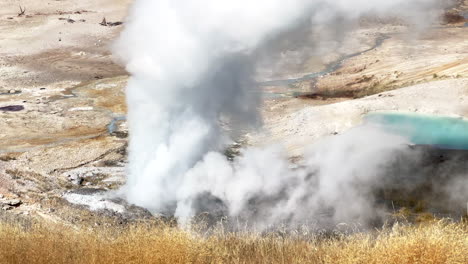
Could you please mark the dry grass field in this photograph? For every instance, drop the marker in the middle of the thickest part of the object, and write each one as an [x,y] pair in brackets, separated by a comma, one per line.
[432,242]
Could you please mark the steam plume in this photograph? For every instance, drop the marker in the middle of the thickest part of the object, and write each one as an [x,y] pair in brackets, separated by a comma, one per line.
[192,65]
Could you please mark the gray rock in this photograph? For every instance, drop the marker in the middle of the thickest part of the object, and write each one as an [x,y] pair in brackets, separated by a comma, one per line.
[12,108]
[75,178]
[7,207]
[13,202]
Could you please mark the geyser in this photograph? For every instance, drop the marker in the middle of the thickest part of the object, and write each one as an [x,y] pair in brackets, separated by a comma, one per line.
[192,91]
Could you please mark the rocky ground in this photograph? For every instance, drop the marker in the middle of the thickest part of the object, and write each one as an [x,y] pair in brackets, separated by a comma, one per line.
[62,106]
[63,133]
[300,127]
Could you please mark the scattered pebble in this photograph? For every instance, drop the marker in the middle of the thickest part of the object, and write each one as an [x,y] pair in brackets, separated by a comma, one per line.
[69,20]
[6,208]
[12,108]
[75,179]
[110,24]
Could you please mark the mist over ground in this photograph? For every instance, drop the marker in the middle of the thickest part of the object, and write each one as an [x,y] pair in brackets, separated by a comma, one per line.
[194,74]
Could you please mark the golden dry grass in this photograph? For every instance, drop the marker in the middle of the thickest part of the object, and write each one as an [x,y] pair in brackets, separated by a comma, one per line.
[435,242]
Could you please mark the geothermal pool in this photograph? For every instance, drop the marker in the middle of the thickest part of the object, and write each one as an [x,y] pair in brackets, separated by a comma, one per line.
[437,131]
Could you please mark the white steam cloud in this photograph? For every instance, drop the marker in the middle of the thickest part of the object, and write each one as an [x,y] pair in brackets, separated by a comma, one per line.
[333,184]
[192,65]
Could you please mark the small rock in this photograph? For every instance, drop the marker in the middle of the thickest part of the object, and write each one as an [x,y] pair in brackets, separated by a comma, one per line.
[69,20]
[104,22]
[13,202]
[75,179]
[12,108]
[6,208]
[110,24]
[78,181]
[113,24]
[1,196]
[12,91]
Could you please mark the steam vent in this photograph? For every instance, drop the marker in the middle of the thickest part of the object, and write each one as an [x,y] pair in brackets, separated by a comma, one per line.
[234,131]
